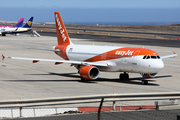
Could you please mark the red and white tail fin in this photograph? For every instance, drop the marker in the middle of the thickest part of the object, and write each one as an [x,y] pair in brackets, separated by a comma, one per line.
[62,36]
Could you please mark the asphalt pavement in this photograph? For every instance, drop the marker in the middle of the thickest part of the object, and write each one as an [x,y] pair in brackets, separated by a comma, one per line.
[130,115]
[122,40]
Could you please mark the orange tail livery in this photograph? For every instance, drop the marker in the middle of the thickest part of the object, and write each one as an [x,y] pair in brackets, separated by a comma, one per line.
[62,36]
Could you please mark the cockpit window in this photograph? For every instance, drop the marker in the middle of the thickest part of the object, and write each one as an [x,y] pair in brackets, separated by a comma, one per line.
[144,57]
[158,57]
[148,57]
[153,57]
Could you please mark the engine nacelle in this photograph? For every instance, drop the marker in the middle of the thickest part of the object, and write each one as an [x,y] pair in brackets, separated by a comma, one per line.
[151,75]
[89,72]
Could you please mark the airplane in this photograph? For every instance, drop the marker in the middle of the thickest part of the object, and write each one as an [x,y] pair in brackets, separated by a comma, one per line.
[91,59]
[14,30]
[18,24]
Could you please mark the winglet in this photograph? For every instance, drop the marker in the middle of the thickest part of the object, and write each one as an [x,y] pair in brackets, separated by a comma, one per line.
[3,56]
[174,52]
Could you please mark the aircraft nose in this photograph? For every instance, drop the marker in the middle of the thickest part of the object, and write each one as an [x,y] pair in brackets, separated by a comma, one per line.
[159,65]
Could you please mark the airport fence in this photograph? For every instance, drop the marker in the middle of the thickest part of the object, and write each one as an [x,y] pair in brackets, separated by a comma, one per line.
[100,111]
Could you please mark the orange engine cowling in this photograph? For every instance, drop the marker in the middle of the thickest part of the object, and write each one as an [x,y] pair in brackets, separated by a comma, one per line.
[89,72]
[151,75]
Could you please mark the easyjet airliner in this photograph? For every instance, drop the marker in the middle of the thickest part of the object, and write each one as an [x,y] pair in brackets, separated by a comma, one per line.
[90,59]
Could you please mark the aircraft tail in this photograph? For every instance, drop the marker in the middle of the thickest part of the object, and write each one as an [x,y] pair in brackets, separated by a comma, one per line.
[29,23]
[62,35]
[19,23]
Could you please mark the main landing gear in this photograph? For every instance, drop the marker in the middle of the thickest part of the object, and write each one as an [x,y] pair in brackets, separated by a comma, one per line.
[83,79]
[124,76]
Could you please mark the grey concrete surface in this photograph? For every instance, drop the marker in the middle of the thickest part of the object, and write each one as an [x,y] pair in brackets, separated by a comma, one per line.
[23,80]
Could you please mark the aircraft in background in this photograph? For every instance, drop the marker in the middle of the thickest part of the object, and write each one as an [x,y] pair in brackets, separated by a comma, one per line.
[18,24]
[90,59]
[14,30]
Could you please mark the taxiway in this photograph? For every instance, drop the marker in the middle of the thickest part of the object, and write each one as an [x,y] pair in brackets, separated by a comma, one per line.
[23,79]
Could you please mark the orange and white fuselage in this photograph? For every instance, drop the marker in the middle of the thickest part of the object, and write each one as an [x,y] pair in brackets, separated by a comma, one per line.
[119,59]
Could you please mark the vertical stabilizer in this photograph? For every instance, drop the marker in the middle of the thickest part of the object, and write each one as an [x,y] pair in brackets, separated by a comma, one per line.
[62,36]
[29,23]
[19,23]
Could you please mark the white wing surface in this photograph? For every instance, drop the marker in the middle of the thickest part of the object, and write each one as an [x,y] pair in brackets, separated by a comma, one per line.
[167,56]
[35,60]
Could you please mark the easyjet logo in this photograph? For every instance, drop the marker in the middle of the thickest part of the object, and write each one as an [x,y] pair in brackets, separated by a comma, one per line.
[29,23]
[60,28]
[124,52]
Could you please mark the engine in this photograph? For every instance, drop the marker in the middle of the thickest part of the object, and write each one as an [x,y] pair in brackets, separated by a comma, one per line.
[151,75]
[89,72]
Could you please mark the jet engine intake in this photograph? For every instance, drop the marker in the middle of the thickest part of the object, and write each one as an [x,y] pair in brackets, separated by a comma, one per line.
[89,72]
[151,75]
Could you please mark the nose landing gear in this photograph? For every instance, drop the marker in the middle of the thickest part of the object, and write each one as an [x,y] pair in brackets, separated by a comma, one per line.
[144,82]
[125,76]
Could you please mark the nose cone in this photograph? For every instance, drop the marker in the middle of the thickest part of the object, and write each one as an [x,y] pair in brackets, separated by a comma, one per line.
[157,65]
[160,65]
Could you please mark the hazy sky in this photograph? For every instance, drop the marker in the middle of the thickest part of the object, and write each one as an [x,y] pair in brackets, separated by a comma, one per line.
[92,3]
[73,11]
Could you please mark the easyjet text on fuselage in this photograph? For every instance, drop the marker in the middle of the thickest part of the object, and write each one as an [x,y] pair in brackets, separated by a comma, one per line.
[128,53]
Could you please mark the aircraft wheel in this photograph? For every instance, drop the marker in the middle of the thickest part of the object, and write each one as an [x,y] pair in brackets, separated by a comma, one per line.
[144,82]
[126,76]
[121,76]
[83,79]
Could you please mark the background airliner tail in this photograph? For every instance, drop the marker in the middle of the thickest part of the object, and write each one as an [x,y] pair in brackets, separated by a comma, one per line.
[19,23]
[29,23]
[62,36]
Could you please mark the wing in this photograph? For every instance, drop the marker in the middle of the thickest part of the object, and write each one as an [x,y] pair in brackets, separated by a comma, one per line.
[35,60]
[167,56]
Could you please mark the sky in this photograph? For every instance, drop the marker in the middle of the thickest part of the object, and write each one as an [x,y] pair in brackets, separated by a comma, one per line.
[93,11]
